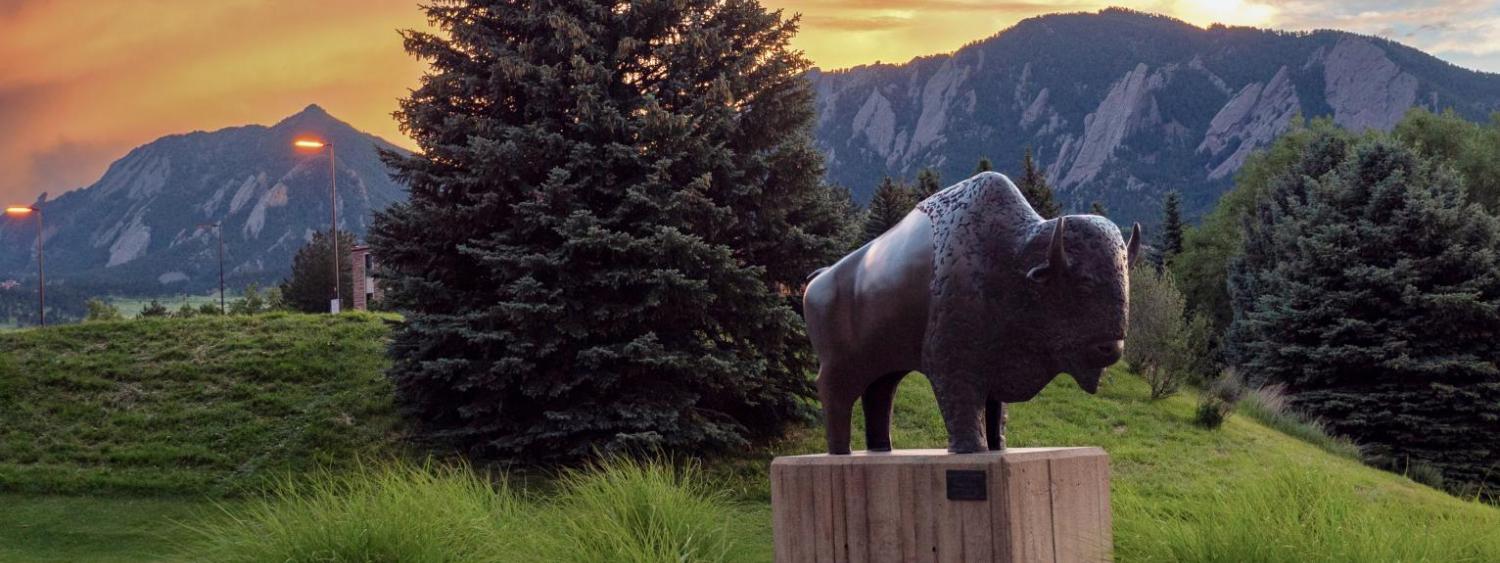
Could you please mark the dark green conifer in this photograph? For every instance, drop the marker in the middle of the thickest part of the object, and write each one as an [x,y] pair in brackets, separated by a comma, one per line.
[1033,185]
[984,165]
[1370,288]
[612,207]
[928,183]
[891,202]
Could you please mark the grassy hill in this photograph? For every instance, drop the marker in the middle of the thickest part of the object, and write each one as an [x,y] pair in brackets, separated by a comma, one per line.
[208,405]
[211,406]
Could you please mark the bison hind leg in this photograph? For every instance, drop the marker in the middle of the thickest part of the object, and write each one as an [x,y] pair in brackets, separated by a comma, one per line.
[994,424]
[879,403]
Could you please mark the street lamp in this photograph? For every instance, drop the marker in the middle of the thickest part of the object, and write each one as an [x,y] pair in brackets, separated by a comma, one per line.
[223,310]
[333,204]
[41,269]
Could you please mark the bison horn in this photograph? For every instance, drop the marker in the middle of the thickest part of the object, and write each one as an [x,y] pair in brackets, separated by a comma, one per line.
[1057,257]
[1133,248]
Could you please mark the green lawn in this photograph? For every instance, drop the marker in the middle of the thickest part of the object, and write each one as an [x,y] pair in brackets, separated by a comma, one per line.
[198,408]
[90,528]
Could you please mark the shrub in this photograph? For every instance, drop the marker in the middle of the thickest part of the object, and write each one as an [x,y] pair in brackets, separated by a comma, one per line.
[100,310]
[1218,400]
[1159,346]
[155,309]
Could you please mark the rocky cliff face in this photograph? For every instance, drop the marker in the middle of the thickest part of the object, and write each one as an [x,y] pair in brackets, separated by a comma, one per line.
[1120,106]
[139,227]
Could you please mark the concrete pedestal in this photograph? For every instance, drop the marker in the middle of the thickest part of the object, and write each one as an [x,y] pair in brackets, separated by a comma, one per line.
[1019,505]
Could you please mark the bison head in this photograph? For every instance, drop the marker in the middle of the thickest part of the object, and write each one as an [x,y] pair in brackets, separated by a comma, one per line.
[1078,267]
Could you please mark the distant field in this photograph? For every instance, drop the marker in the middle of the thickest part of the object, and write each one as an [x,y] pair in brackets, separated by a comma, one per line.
[132,306]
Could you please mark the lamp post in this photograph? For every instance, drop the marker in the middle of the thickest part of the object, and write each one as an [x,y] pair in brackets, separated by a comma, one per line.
[41,268]
[223,310]
[333,204]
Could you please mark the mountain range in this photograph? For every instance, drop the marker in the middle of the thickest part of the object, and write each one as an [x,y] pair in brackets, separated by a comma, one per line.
[1121,106]
[140,227]
[1118,106]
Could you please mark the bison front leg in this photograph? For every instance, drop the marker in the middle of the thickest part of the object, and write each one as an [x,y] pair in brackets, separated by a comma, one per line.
[963,413]
[837,407]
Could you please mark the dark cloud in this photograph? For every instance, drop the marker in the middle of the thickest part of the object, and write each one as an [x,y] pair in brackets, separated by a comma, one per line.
[68,165]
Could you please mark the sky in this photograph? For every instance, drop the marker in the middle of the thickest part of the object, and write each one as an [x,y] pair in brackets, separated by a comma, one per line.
[84,81]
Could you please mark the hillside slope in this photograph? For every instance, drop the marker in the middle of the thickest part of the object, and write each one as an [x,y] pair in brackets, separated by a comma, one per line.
[208,405]
[1122,106]
[213,406]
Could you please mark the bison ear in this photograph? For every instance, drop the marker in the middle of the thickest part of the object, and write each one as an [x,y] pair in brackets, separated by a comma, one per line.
[1133,248]
[1057,257]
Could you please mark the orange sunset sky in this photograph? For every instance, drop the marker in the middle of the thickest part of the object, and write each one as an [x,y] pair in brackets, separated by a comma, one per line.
[84,81]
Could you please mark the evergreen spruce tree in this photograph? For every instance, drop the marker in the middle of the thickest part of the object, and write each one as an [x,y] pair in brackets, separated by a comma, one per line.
[1098,209]
[1370,288]
[984,165]
[1033,184]
[891,202]
[310,285]
[928,183]
[1170,244]
[612,208]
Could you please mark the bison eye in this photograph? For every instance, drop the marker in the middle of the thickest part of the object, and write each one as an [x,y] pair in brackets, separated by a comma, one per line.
[1040,274]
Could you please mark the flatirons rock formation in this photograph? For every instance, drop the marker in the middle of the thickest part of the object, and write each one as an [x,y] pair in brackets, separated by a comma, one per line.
[1121,106]
[136,229]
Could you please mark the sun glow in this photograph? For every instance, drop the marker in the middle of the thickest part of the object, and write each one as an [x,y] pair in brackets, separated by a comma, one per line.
[18,210]
[1227,12]
[308,144]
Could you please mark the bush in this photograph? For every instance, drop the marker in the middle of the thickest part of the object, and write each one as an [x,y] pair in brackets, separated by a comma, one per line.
[1218,400]
[100,310]
[1159,347]
[155,309]
[618,511]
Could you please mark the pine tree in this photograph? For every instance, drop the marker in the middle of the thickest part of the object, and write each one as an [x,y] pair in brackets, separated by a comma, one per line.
[984,165]
[1171,230]
[891,202]
[1098,209]
[612,208]
[1371,289]
[310,285]
[1033,185]
[154,309]
[928,183]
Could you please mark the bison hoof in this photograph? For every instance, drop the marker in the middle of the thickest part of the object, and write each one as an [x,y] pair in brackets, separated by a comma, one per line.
[838,451]
[880,448]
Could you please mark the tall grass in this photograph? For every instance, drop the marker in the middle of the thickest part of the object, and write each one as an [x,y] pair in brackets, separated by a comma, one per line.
[1298,514]
[1270,405]
[393,513]
[617,511]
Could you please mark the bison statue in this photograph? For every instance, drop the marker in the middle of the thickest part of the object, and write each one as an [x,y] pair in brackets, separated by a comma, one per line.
[980,294]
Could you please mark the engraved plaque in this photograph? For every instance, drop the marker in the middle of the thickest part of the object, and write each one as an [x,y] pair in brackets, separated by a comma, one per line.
[966,484]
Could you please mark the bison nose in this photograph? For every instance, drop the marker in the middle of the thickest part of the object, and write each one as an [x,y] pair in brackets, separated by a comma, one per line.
[1105,354]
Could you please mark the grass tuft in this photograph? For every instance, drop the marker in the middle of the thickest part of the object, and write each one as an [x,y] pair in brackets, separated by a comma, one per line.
[619,510]
[1270,406]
